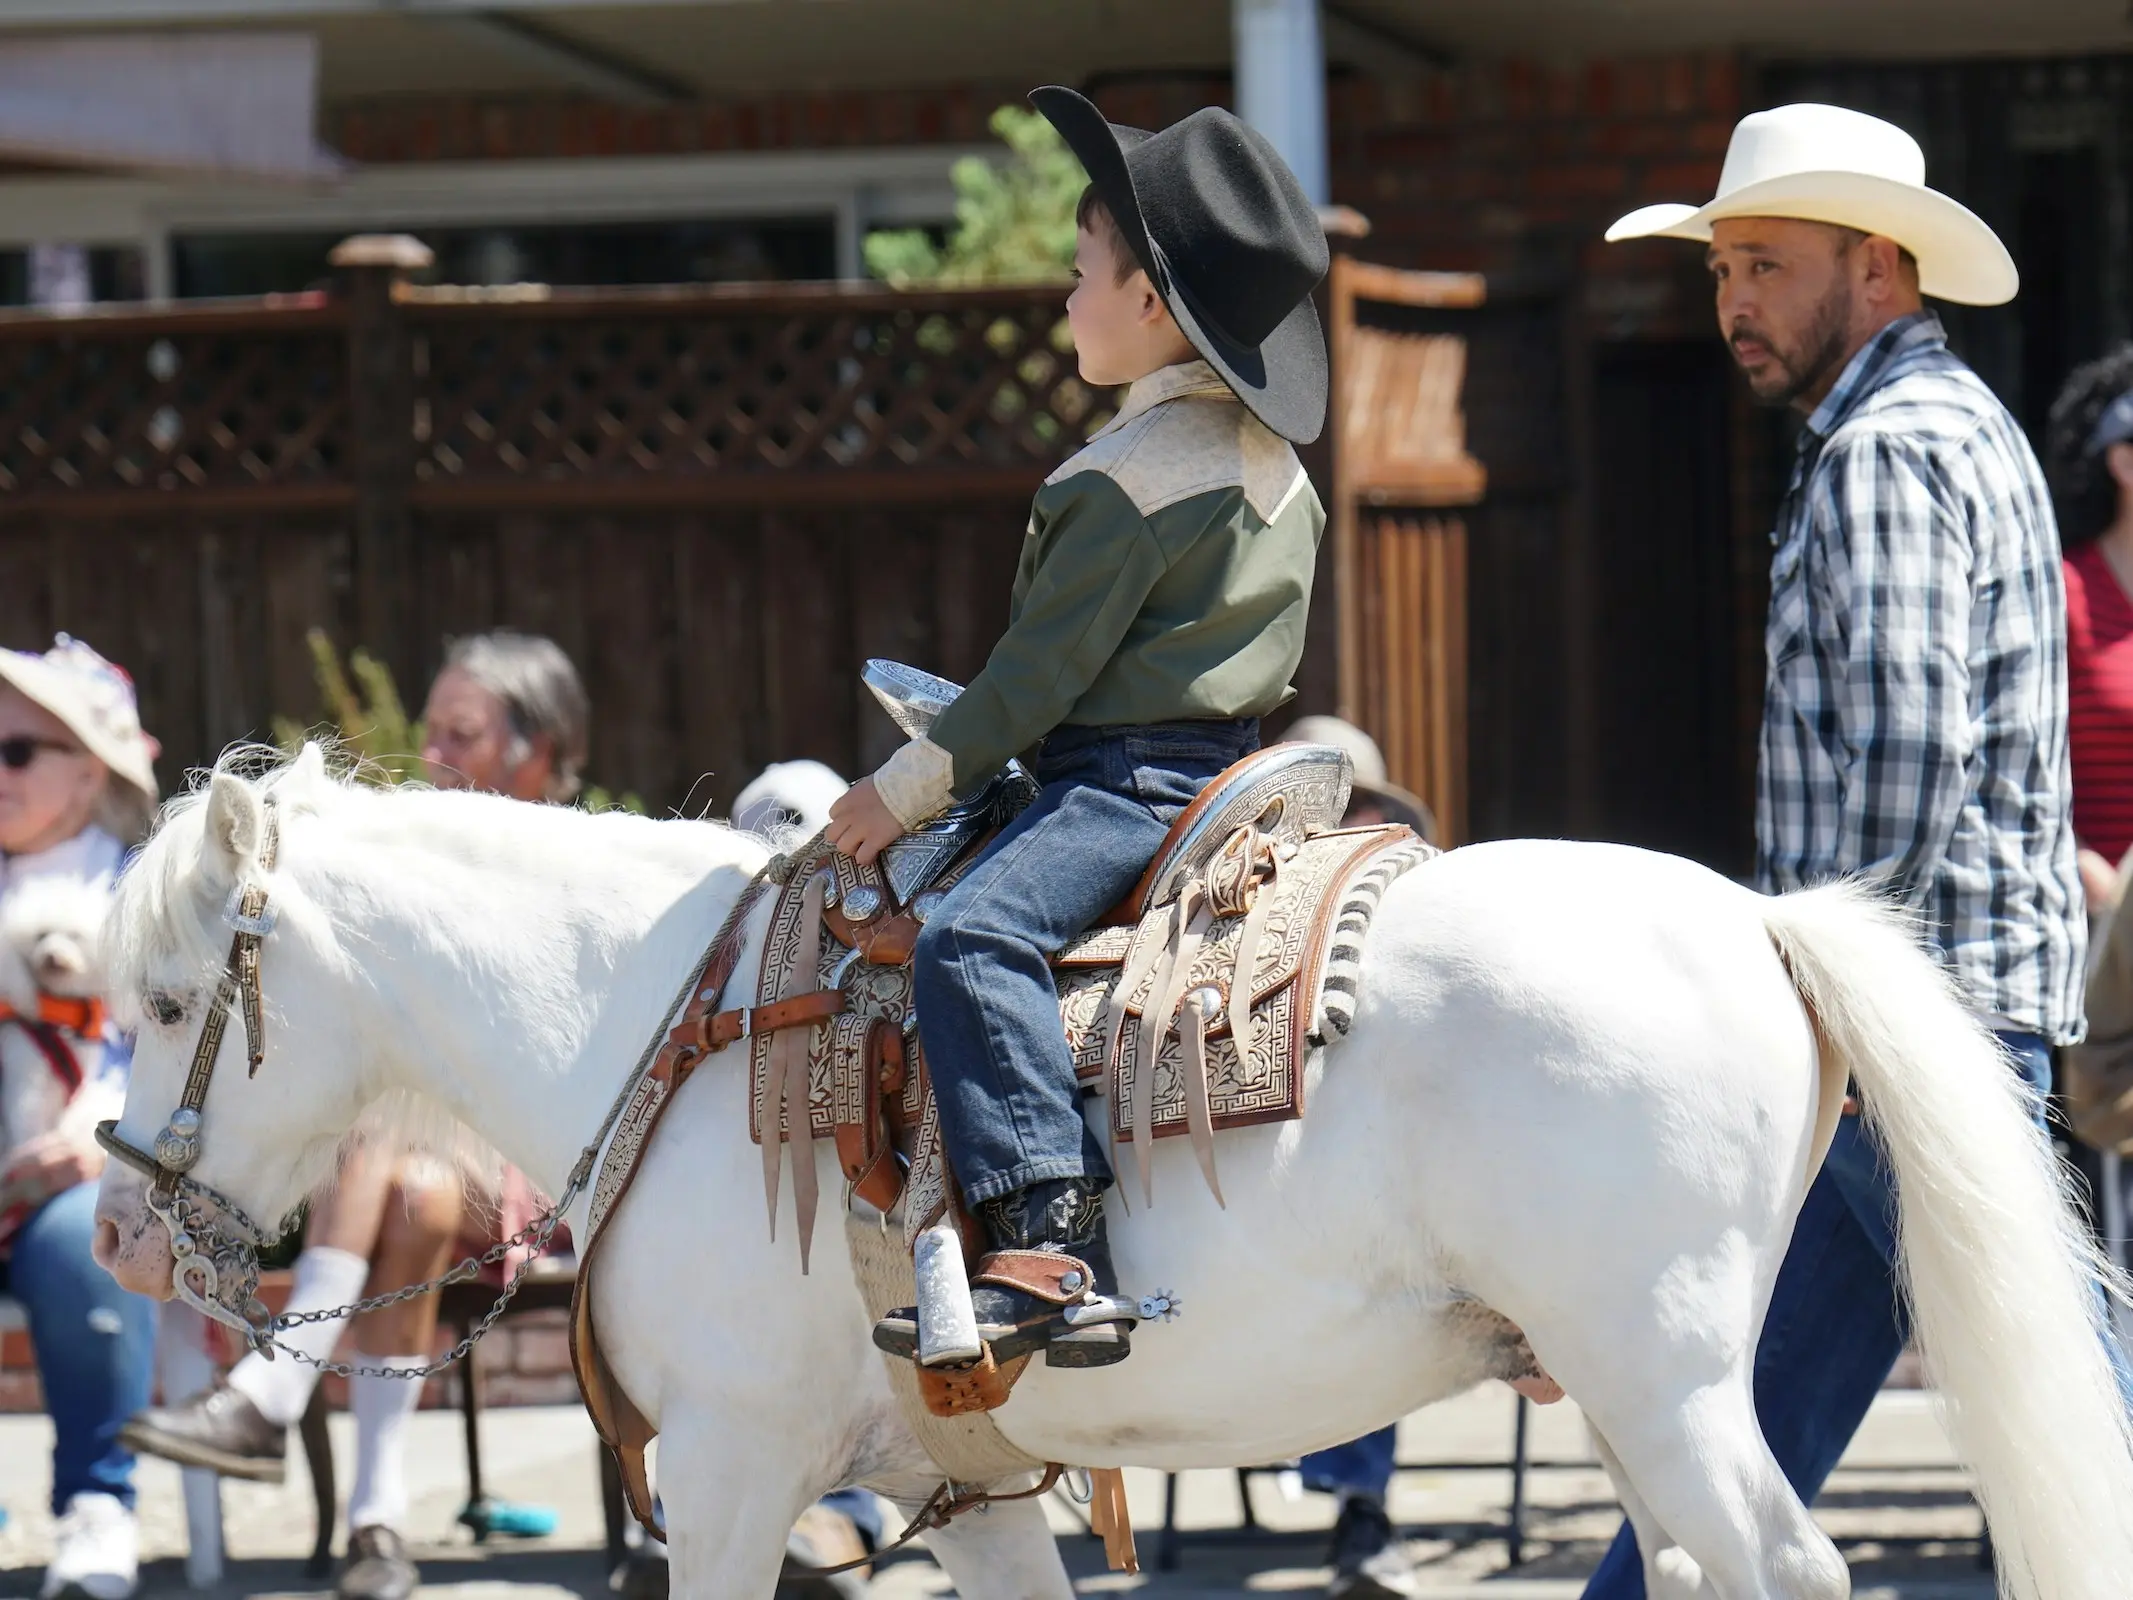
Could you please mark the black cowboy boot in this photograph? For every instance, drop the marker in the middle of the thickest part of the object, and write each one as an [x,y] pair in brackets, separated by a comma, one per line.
[1048,1250]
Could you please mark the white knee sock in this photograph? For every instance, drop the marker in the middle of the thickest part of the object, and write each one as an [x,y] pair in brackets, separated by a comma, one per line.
[382,1407]
[281,1388]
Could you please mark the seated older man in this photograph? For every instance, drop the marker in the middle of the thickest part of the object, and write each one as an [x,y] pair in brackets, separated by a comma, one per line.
[506,714]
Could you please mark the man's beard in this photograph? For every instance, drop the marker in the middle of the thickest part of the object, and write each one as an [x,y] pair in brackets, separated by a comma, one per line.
[1792,373]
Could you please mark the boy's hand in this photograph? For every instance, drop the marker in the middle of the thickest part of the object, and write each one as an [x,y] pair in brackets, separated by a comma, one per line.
[861,825]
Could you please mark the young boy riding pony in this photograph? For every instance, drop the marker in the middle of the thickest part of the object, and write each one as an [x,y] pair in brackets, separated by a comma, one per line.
[1158,613]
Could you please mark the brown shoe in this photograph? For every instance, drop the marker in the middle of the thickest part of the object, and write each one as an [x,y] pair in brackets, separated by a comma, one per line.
[377,1567]
[218,1429]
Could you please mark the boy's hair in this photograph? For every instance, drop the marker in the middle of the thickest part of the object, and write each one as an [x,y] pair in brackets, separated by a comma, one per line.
[1093,216]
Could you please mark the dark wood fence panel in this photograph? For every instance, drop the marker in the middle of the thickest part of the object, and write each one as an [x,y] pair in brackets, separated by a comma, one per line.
[207,613]
[713,643]
[717,502]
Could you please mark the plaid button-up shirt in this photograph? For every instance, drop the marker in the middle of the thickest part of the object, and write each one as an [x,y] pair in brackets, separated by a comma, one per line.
[1915,717]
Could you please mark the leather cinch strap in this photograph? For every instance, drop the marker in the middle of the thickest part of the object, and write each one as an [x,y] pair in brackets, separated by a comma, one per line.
[721,1028]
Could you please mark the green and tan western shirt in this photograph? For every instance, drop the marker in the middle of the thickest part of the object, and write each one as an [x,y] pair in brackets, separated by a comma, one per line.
[1165,575]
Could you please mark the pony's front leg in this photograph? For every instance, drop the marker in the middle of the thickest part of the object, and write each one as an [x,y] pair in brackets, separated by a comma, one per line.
[1004,1552]
[729,1497]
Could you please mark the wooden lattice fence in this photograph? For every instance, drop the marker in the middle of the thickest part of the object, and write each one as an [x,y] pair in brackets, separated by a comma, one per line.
[718,500]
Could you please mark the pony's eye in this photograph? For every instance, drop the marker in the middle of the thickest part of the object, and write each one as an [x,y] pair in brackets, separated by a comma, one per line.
[166,1008]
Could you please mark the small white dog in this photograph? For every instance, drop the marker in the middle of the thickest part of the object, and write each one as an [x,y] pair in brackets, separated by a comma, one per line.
[49,934]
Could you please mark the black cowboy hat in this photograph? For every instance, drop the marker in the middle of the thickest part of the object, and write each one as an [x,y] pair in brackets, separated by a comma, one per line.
[1229,240]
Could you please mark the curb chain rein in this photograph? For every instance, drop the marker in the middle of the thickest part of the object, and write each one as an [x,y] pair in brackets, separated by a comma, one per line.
[535,1235]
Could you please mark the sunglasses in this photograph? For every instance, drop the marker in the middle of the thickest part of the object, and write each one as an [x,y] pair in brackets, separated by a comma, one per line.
[18,752]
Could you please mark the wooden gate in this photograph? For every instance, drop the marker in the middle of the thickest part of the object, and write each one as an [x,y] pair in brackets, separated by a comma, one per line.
[1400,470]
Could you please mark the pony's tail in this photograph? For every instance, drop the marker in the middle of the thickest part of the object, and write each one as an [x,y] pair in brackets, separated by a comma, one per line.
[2001,1273]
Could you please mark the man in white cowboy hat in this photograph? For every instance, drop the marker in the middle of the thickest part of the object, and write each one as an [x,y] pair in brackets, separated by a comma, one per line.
[1915,714]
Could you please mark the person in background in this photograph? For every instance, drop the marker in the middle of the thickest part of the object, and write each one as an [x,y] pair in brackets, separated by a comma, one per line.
[508,715]
[77,790]
[1367,1560]
[2089,451]
[2089,459]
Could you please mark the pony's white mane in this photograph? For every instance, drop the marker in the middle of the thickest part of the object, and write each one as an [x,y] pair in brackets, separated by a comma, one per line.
[164,919]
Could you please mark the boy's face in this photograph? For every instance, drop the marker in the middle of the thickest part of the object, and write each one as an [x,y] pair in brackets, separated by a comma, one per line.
[1122,331]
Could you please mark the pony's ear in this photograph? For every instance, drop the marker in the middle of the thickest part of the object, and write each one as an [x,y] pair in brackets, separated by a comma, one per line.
[236,827]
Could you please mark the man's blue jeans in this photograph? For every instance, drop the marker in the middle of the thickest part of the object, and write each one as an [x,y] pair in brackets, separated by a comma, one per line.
[1361,1466]
[1837,1320]
[94,1342]
[988,1014]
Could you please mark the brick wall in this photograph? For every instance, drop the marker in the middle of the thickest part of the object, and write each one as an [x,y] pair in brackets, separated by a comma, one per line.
[1516,167]
[1509,167]
[523,128]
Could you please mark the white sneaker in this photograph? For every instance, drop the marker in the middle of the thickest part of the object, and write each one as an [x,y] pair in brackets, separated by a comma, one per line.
[96,1551]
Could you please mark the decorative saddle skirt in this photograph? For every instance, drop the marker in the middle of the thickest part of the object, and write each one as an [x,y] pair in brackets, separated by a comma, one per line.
[1192,1008]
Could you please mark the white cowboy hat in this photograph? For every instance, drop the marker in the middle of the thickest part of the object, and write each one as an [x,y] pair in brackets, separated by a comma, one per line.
[95,700]
[1825,164]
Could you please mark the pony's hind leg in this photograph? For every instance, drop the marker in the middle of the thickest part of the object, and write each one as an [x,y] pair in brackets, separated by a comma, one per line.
[1714,1514]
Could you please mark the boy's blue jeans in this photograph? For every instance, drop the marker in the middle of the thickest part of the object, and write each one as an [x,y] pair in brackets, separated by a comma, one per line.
[94,1342]
[1837,1321]
[988,1014]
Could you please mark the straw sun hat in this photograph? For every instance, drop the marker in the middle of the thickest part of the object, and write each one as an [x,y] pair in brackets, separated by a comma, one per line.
[95,699]
[1826,164]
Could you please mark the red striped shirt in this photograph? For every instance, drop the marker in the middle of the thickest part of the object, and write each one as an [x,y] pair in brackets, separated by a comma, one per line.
[2099,671]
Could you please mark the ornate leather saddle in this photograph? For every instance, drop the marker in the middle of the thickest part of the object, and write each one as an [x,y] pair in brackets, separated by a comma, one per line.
[1191,1008]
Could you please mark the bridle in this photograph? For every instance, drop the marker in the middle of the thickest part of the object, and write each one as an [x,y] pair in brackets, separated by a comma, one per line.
[214,1245]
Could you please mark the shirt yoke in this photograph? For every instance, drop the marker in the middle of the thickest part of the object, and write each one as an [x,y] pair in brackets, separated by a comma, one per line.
[1925,405]
[1190,446]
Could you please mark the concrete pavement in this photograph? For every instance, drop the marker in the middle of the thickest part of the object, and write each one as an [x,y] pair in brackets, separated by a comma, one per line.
[1899,1507]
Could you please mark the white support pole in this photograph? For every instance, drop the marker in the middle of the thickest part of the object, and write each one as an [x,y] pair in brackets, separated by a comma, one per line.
[184,1368]
[1280,65]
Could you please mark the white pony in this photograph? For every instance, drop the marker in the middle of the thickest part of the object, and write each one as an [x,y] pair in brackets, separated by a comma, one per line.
[1581,1088]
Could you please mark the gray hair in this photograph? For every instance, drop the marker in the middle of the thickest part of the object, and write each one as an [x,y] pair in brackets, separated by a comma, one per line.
[541,694]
